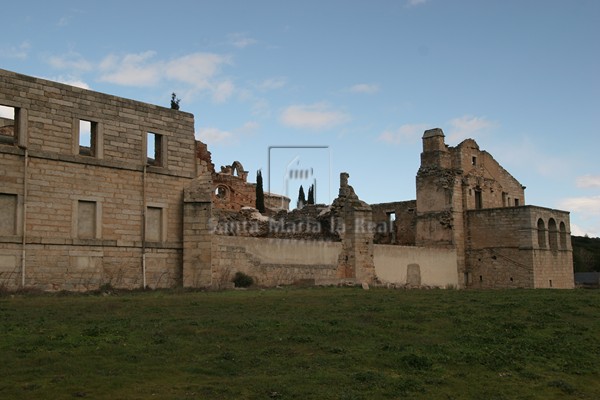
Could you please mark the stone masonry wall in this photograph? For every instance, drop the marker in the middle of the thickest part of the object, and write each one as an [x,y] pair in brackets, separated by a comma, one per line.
[274,262]
[400,231]
[503,249]
[84,214]
[485,178]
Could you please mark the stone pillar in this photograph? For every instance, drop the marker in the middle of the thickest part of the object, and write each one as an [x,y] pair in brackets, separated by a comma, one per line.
[197,233]
[356,259]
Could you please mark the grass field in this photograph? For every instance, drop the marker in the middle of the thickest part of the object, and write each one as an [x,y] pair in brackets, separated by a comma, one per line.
[318,343]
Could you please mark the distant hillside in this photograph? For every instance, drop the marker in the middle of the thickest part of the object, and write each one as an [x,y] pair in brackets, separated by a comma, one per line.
[586,253]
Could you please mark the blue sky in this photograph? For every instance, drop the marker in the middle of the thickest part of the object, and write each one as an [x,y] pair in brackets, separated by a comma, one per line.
[364,78]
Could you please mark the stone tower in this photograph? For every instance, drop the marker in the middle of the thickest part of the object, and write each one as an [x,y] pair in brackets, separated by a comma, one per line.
[440,217]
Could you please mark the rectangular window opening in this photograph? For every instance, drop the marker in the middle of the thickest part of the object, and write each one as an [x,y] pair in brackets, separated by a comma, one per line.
[474,160]
[8,214]
[391,217]
[86,219]
[154,149]
[8,124]
[516,202]
[478,200]
[87,138]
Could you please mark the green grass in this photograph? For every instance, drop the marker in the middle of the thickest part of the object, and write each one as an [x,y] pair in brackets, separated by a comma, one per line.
[319,343]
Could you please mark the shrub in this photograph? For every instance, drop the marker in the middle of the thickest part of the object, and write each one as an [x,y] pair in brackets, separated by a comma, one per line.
[242,280]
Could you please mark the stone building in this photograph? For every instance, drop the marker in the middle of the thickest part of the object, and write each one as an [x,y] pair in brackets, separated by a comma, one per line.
[91,187]
[467,201]
[97,189]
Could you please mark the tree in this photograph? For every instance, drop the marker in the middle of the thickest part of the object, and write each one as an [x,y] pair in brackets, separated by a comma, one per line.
[260,194]
[301,198]
[174,101]
[311,195]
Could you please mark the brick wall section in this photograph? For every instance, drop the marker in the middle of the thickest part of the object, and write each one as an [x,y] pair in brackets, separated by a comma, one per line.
[58,177]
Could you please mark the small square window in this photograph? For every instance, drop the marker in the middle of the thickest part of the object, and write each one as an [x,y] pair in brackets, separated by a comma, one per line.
[87,138]
[155,147]
[8,125]
[88,135]
[391,215]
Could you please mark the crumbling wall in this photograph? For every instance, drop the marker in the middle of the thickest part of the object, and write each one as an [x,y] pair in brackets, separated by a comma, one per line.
[395,223]
[485,182]
[313,222]
[231,191]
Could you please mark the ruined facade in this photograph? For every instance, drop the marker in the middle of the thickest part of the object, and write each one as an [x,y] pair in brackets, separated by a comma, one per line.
[231,189]
[97,189]
[467,201]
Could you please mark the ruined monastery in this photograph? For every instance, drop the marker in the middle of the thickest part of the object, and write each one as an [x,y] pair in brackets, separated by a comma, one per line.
[78,216]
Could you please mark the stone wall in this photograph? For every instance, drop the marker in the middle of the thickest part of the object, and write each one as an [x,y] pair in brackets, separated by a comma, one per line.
[274,262]
[81,215]
[395,223]
[485,183]
[415,266]
[510,247]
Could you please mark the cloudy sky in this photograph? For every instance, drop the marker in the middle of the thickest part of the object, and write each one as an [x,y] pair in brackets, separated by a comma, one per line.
[360,79]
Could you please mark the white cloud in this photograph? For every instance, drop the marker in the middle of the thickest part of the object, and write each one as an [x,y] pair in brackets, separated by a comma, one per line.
[314,116]
[19,52]
[241,40]
[408,133]
[222,91]
[200,71]
[71,80]
[589,206]
[197,69]
[588,181]
[467,127]
[577,230]
[131,69]
[70,61]
[272,83]
[250,127]
[214,136]
[367,88]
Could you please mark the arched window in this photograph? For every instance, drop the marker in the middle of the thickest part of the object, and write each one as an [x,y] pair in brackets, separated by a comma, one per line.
[221,193]
[563,236]
[541,233]
[552,234]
